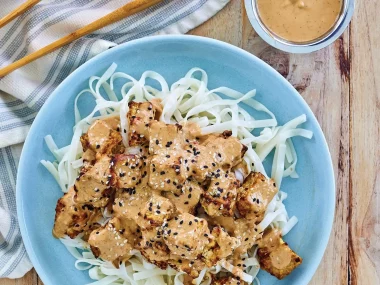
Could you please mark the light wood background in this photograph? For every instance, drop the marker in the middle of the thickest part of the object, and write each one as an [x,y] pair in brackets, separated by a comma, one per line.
[341,84]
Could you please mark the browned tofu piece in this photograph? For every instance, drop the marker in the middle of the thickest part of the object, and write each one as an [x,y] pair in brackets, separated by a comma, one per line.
[247,233]
[221,246]
[72,218]
[202,164]
[139,116]
[227,281]
[153,247]
[113,122]
[187,199]
[163,137]
[191,133]
[95,185]
[157,106]
[128,201]
[154,212]
[243,169]
[102,138]
[127,169]
[111,242]
[220,197]
[186,236]
[275,256]
[216,154]
[167,172]
[228,150]
[254,196]
[191,267]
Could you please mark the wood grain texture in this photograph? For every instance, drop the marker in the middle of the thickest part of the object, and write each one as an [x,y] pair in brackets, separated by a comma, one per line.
[364,202]
[341,84]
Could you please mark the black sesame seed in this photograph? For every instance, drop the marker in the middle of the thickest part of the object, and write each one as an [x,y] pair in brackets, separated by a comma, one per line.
[190,223]
[162,172]
[157,142]
[187,202]
[189,196]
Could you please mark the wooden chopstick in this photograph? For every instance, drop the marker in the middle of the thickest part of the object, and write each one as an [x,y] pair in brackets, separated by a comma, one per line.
[18,11]
[117,15]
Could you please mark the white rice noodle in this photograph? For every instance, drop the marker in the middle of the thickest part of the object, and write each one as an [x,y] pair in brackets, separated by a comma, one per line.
[54,172]
[237,271]
[289,225]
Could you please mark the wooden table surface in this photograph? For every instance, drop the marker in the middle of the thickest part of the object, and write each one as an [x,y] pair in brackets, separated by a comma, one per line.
[341,84]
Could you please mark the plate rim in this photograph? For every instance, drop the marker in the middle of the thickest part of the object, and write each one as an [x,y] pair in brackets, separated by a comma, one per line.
[22,170]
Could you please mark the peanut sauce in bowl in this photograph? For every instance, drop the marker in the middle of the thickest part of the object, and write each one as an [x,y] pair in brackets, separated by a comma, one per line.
[299,26]
[299,20]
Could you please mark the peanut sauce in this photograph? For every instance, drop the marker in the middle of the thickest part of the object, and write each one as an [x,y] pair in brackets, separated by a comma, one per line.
[299,20]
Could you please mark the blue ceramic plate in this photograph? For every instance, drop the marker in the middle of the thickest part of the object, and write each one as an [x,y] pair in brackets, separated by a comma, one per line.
[311,197]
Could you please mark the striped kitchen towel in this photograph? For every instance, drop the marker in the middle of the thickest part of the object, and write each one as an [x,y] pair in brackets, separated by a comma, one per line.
[23,92]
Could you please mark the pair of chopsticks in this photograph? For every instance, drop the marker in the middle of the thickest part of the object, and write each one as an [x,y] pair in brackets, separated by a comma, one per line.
[130,8]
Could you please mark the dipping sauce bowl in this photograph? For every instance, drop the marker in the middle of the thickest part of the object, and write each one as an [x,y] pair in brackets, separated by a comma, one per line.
[269,35]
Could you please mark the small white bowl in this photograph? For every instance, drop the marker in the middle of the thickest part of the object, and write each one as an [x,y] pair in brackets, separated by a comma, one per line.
[305,47]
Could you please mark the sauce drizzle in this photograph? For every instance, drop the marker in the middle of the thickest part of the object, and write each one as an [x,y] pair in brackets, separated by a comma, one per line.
[299,20]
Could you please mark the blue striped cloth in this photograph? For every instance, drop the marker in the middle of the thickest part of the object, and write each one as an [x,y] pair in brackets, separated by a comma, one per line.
[23,92]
